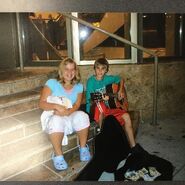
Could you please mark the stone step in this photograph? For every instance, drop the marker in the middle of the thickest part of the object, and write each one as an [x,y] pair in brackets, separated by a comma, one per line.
[26,83]
[23,153]
[19,102]
[21,147]
[24,145]
[22,125]
[25,162]
[28,152]
[18,126]
[46,171]
[40,156]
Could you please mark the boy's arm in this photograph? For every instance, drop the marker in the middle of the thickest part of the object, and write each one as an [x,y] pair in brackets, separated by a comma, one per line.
[121,88]
[118,79]
[122,94]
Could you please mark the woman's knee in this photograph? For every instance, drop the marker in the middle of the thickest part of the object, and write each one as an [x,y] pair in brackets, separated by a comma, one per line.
[80,120]
[56,124]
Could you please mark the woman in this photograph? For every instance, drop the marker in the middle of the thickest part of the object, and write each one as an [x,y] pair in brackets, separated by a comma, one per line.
[60,99]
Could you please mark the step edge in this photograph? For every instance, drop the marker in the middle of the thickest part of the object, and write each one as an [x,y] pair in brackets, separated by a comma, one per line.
[22,100]
[25,78]
[18,113]
[44,148]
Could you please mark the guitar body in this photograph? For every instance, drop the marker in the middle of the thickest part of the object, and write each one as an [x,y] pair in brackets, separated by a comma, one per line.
[113,101]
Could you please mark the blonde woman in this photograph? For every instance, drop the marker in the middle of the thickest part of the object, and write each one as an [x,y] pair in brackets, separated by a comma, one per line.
[60,99]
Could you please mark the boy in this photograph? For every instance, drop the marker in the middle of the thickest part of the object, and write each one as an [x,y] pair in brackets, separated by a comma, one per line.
[97,83]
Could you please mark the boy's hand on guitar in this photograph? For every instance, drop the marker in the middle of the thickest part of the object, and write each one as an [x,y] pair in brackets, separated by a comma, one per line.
[120,95]
[105,97]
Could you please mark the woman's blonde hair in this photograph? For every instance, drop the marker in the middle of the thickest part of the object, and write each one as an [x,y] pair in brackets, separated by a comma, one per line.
[61,67]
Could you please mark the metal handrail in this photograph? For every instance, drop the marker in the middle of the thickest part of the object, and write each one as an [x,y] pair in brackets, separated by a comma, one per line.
[47,41]
[110,34]
[154,122]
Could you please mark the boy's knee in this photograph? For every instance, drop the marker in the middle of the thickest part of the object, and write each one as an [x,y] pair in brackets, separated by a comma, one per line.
[126,117]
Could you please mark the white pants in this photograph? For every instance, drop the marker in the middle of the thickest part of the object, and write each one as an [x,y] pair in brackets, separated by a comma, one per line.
[76,121]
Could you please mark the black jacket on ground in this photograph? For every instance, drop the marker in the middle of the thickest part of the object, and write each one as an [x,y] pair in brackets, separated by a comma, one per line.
[111,147]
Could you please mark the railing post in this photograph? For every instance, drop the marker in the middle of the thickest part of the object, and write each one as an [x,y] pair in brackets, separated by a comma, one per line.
[19,41]
[154,122]
[69,39]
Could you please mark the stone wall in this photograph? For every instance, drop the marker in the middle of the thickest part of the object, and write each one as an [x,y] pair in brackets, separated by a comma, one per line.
[139,83]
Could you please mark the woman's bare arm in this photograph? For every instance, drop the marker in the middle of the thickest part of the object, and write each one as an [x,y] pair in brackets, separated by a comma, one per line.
[43,104]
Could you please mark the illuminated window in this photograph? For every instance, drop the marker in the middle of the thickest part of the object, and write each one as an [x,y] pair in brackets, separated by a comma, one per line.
[93,44]
[51,38]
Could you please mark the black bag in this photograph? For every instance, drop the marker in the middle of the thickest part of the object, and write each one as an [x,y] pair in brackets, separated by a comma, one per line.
[138,161]
[111,147]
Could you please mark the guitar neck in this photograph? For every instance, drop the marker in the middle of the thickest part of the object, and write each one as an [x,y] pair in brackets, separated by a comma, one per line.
[114,101]
[98,96]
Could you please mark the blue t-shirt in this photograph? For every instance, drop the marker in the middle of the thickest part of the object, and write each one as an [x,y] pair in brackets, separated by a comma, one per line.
[57,89]
[94,85]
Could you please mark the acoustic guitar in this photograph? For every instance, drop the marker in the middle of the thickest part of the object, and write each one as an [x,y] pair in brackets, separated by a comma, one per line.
[113,102]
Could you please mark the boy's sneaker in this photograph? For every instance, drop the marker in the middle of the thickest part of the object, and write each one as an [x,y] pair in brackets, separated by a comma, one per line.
[137,149]
[84,153]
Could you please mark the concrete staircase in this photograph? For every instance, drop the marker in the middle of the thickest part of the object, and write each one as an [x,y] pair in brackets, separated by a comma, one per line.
[23,145]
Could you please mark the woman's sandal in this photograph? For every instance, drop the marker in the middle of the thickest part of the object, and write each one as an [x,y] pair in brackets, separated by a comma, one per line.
[84,153]
[59,162]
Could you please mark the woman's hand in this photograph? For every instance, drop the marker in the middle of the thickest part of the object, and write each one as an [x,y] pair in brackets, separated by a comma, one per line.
[61,110]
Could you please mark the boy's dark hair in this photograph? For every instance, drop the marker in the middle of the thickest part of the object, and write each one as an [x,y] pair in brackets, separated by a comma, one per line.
[101,61]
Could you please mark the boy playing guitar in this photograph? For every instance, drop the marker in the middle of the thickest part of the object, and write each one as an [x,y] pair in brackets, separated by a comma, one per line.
[97,84]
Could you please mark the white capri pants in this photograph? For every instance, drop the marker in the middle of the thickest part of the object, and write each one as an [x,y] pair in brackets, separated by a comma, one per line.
[76,121]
